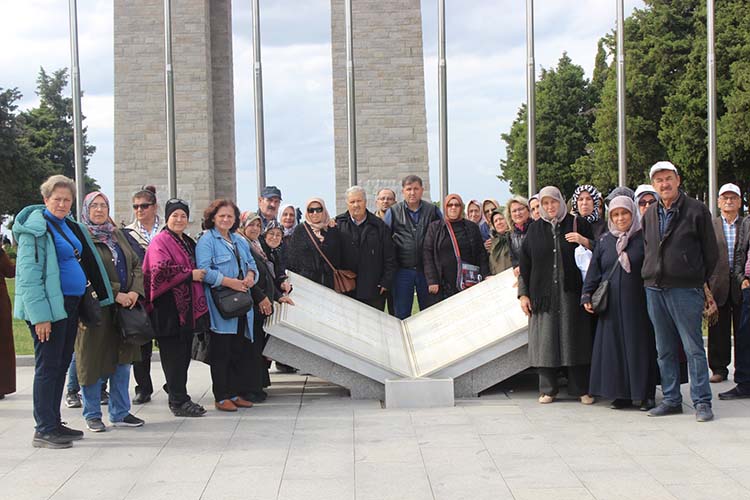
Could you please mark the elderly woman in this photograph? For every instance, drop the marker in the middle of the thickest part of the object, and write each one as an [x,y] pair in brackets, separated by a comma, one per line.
[267,290]
[315,233]
[645,196]
[474,211]
[454,257]
[288,220]
[226,258]
[56,260]
[623,364]
[140,232]
[517,210]
[101,353]
[587,203]
[7,349]
[534,207]
[485,225]
[550,293]
[500,258]
[172,284]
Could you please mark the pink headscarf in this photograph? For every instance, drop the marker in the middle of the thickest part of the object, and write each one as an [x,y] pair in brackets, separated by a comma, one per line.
[623,236]
[318,227]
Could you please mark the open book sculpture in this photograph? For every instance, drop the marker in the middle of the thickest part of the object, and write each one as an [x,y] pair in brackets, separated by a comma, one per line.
[477,338]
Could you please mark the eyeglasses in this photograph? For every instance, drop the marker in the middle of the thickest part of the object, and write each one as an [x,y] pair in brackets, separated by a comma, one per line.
[274,235]
[453,205]
[98,206]
[315,210]
[142,206]
[646,203]
[518,210]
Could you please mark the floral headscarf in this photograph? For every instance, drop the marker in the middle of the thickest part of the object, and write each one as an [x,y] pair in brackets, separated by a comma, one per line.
[595,195]
[246,218]
[100,232]
[624,236]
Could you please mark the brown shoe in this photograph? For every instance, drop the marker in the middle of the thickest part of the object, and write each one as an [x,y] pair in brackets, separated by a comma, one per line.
[716,378]
[242,403]
[226,405]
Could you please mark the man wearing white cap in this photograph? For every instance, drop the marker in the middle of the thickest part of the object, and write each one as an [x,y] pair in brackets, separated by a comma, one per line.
[680,256]
[726,291]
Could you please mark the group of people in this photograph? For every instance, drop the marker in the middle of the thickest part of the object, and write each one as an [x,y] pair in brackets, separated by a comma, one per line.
[655,248]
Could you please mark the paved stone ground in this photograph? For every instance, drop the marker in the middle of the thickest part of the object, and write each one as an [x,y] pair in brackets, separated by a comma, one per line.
[310,441]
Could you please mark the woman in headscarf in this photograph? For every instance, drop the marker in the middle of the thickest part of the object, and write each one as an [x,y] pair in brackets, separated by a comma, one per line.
[174,292]
[550,291]
[315,233]
[534,207]
[500,258]
[517,211]
[623,364]
[474,211]
[645,196]
[485,226]
[450,245]
[288,220]
[587,203]
[101,353]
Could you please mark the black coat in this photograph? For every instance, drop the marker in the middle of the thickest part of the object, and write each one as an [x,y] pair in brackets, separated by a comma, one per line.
[304,259]
[623,362]
[370,253]
[440,263]
[265,286]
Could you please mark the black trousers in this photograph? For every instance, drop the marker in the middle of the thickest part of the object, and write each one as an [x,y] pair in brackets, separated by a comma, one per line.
[578,380]
[230,364]
[377,301]
[720,338]
[258,375]
[142,370]
[175,360]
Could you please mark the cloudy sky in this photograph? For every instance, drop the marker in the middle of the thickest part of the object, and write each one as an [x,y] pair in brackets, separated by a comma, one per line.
[486,80]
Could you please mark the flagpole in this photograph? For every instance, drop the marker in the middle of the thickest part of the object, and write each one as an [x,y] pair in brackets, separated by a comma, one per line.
[260,141]
[530,97]
[169,83]
[75,81]
[442,103]
[351,113]
[622,165]
[711,68]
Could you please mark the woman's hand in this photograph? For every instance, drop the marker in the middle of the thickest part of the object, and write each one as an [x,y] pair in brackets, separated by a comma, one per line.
[578,238]
[249,280]
[433,289]
[286,300]
[516,271]
[127,299]
[265,307]
[235,284]
[525,305]
[745,283]
[589,307]
[488,244]
[285,286]
[43,331]
[199,274]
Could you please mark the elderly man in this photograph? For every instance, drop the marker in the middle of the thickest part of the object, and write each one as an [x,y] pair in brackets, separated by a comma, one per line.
[726,291]
[409,220]
[383,201]
[371,253]
[268,204]
[680,257]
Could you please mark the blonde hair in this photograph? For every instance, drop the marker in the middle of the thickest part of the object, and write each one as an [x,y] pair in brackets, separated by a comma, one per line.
[57,181]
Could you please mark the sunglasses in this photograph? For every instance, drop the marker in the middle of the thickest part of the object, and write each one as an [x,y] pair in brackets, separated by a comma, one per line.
[315,210]
[142,206]
[453,205]
[646,203]
[176,200]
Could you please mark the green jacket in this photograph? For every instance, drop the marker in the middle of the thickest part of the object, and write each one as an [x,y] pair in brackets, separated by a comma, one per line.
[39,295]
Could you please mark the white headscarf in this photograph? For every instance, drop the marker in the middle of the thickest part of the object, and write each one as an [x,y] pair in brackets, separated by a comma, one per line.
[562,210]
[289,231]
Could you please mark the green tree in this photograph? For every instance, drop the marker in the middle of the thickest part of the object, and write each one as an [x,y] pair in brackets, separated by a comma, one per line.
[564,99]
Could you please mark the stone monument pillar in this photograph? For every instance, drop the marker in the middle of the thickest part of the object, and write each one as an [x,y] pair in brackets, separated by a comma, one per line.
[204,102]
[389,93]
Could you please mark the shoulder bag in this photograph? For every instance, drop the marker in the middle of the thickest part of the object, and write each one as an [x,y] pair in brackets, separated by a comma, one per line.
[89,309]
[468,274]
[600,296]
[343,280]
[231,303]
[134,324]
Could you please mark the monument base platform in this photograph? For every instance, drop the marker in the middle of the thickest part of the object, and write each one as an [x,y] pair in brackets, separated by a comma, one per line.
[419,393]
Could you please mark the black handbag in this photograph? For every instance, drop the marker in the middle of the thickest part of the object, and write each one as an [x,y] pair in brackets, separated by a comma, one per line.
[134,324]
[89,309]
[600,296]
[231,303]
[201,348]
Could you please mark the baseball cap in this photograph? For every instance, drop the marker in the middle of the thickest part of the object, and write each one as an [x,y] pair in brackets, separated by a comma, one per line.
[730,188]
[662,165]
[270,192]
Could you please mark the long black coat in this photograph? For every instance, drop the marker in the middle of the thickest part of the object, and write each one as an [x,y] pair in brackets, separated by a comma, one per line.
[623,364]
[304,259]
[370,253]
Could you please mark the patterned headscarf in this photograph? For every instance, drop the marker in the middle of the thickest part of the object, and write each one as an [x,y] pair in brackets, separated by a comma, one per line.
[595,195]
[246,218]
[624,236]
[562,211]
[460,213]
[100,232]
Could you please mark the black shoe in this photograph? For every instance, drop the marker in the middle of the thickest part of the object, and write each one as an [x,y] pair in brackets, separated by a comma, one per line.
[72,434]
[256,397]
[73,400]
[141,398]
[647,404]
[52,440]
[95,425]
[703,412]
[664,409]
[733,394]
[619,404]
[104,397]
[188,409]
[129,421]
[2,396]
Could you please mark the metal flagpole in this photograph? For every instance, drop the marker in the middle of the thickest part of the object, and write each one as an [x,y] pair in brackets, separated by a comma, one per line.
[442,103]
[171,155]
[530,96]
[260,141]
[75,81]
[712,162]
[351,113]
[622,165]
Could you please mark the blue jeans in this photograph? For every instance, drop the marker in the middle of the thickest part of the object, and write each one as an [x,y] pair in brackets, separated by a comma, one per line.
[73,385]
[119,399]
[742,346]
[403,292]
[677,315]
[51,361]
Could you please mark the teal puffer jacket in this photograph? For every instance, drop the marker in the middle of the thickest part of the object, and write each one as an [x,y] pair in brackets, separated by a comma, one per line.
[39,295]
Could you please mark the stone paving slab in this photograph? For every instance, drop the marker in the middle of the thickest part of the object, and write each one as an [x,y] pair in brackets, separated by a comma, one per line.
[311,441]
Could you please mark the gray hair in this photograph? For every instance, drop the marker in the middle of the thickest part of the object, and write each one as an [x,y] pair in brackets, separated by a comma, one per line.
[57,181]
[356,190]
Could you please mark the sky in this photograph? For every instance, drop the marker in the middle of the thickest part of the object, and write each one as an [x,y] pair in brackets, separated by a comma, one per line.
[486,64]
